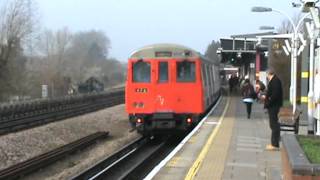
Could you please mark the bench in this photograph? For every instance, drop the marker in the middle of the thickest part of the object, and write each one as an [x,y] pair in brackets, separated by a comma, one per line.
[289,121]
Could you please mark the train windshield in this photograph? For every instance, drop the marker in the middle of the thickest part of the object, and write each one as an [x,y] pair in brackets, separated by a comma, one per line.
[141,72]
[163,72]
[186,71]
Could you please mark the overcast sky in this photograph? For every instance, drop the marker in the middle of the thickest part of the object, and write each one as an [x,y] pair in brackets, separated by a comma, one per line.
[131,24]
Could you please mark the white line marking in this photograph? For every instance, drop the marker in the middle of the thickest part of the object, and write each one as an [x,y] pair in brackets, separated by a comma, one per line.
[243,165]
[248,141]
[247,137]
[249,150]
[156,169]
[249,145]
[212,123]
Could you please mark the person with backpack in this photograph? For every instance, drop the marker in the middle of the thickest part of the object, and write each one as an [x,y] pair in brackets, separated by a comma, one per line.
[260,89]
[248,95]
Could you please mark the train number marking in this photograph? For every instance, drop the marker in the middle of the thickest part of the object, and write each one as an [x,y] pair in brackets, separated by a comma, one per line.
[141,90]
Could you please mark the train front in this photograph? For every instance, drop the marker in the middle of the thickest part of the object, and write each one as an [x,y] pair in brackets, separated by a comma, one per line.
[163,89]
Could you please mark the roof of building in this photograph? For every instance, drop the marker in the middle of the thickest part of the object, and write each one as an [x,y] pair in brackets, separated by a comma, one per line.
[252,35]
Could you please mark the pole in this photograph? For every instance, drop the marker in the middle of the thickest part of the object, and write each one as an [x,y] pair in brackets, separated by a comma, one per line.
[291,71]
[294,62]
[295,57]
[292,79]
[311,85]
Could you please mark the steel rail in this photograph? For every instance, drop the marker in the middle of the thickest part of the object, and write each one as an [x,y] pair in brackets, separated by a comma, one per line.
[131,162]
[58,113]
[111,160]
[30,165]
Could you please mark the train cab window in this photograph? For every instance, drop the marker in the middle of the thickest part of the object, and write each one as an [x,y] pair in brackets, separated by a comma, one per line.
[141,71]
[186,71]
[163,72]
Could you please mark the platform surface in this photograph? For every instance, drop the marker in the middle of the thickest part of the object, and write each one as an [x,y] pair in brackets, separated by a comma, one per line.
[227,146]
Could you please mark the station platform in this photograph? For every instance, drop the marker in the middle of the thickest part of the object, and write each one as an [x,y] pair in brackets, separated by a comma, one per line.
[226,146]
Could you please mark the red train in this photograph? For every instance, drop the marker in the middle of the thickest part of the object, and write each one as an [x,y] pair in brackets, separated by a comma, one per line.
[168,87]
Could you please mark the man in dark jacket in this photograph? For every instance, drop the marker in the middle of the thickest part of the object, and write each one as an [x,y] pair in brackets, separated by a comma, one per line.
[273,102]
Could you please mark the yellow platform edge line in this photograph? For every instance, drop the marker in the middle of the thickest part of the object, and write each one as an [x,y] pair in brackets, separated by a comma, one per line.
[195,167]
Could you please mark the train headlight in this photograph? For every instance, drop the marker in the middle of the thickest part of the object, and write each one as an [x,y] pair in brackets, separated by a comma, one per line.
[189,120]
[139,120]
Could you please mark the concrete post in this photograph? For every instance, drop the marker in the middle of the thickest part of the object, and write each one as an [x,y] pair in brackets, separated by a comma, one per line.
[294,62]
[311,85]
[303,79]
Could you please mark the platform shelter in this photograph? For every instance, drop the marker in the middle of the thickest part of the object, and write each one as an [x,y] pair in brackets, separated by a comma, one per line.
[246,52]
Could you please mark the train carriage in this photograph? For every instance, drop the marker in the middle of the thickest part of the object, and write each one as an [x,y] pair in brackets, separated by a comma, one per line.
[168,87]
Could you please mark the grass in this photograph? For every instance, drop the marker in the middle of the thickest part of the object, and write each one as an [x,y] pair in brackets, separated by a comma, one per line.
[311,147]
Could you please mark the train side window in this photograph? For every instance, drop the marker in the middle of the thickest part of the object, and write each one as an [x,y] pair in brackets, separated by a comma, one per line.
[163,72]
[204,74]
[141,71]
[211,75]
[186,71]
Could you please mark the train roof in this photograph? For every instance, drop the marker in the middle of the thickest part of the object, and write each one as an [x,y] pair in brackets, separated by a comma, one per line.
[164,50]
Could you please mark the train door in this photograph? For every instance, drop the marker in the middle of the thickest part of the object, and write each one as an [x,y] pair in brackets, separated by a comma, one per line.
[141,89]
[163,92]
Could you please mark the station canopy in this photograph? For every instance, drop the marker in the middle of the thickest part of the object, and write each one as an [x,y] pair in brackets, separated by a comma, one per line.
[238,49]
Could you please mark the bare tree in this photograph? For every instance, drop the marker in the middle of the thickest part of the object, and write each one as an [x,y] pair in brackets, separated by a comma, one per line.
[286,26]
[17,22]
[88,51]
[278,59]
[211,51]
[77,57]
[52,47]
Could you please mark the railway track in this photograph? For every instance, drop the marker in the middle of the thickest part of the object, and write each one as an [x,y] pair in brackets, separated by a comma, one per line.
[23,116]
[33,164]
[134,161]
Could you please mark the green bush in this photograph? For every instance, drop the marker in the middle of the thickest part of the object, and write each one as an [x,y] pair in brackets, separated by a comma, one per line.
[311,147]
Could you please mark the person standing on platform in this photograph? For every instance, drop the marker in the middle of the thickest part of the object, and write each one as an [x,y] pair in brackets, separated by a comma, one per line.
[260,89]
[273,100]
[248,95]
[231,83]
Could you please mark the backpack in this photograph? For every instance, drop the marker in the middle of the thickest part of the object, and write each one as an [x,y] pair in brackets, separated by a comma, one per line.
[248,91]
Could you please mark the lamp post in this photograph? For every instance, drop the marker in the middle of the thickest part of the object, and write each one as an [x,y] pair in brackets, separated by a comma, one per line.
[312,36]
[294,50]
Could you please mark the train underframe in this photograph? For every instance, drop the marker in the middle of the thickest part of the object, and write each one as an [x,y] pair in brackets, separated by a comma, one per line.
[163,123]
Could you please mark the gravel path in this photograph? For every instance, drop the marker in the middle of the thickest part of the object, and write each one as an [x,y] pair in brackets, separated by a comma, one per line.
[20,146]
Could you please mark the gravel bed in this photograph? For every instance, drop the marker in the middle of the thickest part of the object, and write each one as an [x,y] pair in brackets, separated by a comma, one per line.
[22,145]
